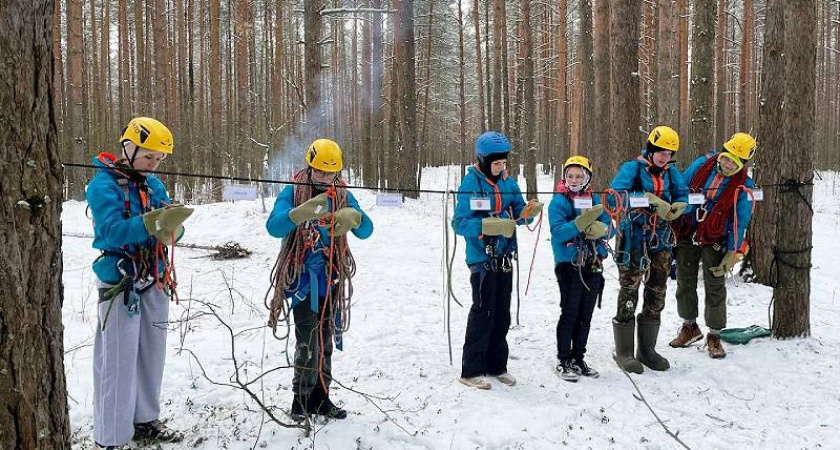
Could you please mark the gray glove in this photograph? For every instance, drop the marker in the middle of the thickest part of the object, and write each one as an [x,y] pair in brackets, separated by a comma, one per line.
[314,208]
[663,208]
[346,219]
[588,217]
[494,226]
[163,222]
[596,231]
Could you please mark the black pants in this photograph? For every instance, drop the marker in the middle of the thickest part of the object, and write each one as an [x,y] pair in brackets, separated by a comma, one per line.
[577,304]
[485,345]
[308,346]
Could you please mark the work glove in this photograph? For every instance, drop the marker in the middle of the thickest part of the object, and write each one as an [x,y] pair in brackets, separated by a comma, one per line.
[531,210]
[314,208]
[163,222]
[346,219]
[596,231]
[663,208]
[677,209]
[495,226]
[588,217]
[729,260]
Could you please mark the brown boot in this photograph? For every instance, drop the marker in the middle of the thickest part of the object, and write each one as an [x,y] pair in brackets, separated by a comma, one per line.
[688,335]
[716,350]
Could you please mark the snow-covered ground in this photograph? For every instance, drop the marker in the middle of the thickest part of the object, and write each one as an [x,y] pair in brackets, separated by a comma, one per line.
[768,394]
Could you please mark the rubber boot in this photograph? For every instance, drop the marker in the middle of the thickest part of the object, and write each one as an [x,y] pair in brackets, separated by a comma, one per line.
[320,404]
[624,337]
[646,353]
[300,407]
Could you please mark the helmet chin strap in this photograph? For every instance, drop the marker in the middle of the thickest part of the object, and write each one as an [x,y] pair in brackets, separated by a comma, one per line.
[133,155]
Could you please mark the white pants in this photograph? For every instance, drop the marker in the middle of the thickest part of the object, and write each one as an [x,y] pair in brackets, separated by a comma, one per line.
[128,366]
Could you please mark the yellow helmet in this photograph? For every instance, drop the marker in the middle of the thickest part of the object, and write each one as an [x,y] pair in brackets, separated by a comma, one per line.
[581,161]
[741,145]
[148,133]
[325,155]
[663,138]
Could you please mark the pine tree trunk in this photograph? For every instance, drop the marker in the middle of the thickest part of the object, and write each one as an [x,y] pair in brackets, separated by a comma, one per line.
[601,148]
[33,391]
[624,69]
[482,115]
[462,102]
[702,79]
[668,61]
[746,56]
[75,126]
[123,67]
[529,148]
[315,113]
[407,172]
[792,291]
[685,113]
[587,107]
[720,74]
[562,121]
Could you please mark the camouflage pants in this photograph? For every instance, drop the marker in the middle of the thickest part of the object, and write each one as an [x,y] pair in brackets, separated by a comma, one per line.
[654,295]
[689,257]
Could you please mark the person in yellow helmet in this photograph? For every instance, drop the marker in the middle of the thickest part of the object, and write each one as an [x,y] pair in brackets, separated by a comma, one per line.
[133,221]
[643,247]
[713,233]
[313,271]
[577,241]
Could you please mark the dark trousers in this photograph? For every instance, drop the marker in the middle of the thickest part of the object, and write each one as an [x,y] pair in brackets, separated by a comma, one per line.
[485,344]
[308,347]
[579,292]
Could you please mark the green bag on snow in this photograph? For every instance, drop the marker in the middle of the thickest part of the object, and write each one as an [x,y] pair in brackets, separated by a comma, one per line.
[743,335]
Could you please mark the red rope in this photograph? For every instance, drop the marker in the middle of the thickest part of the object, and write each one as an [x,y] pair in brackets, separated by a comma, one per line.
[714,227]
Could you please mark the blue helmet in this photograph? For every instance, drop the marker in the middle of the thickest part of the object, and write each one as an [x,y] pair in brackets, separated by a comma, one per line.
[491,142]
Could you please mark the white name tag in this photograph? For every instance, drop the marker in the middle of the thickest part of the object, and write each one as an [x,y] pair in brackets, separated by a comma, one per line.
[758,194]
[583,202]
[639,202]
[480,204]
[239,192]
[696,199]
[389,199]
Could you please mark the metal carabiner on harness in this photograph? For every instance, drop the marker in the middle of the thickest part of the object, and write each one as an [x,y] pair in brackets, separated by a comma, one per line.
[701,213]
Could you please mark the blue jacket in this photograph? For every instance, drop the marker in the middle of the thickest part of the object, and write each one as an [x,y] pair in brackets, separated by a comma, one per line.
[564,234]
[279,225]
[505,202]
[114,231]
[634,177]
[735,240]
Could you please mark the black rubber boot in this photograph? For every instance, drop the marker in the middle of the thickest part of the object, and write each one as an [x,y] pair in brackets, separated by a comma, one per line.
[646,354]
[624,334]
[320,404]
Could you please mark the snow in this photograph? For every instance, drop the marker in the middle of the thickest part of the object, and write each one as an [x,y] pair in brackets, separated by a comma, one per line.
[768,394]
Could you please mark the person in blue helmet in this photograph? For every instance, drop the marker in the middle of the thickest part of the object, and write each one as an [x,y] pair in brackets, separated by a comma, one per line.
[713,233]
[578,228]
[489,206]
[314,270]
[133,221]
[643,247]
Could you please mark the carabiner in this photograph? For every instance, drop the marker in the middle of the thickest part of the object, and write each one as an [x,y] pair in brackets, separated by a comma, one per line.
[701,213]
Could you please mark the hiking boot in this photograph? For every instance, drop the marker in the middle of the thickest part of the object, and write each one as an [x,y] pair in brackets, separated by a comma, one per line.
[155,432]
[506,379]
[648,332]
[687,335]
[475,382]
[567,372]
[299,410]
[583,369]
[320,404]
[624,334]
[716,350]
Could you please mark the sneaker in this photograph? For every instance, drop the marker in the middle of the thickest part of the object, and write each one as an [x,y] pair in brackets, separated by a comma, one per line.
[567,372]
[714,346]
[506,379]
[584,370]
[687,335]
[112,447]
[475,382]
[155,432]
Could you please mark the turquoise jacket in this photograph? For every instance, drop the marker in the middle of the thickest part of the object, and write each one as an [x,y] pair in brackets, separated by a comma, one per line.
[505,202]
[635,178]
[735,239]
[279,225]
[118,232]
[565,237]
